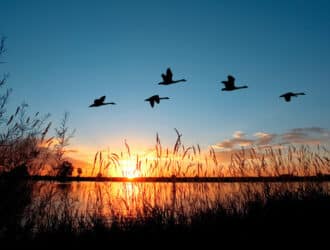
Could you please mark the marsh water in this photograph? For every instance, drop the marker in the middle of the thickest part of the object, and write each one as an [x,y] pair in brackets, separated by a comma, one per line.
[141,199]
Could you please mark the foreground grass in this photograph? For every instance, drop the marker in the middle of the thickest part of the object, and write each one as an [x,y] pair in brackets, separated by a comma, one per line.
[294,217]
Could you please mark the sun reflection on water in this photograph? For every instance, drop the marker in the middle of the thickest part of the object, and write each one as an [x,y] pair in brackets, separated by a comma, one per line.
[136,199]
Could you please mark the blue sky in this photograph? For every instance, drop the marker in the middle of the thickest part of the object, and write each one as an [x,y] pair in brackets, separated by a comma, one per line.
[63,54]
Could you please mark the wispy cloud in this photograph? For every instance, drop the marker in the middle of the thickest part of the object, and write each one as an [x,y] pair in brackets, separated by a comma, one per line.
[310,135]
[312,130]
[238,134]
[264,138]
[237,140]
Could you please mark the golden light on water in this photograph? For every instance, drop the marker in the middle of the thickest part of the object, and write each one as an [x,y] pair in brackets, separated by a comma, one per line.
[135,199]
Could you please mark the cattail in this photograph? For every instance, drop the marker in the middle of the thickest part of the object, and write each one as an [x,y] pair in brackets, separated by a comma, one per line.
[35,123]
[17,110]
[50,139]
[114,158]
[128,149]
[185,152]
[107,165]
[194,150]
[45,131]
[94,163]
[10,120]
[214,158]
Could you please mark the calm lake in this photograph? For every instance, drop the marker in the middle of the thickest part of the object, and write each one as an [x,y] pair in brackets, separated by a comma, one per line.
[135,200]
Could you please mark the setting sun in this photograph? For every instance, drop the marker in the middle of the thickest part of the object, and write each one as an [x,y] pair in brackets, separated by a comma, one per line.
[128,168]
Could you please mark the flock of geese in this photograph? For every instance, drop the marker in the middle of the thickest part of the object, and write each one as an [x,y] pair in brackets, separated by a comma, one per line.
[168,79]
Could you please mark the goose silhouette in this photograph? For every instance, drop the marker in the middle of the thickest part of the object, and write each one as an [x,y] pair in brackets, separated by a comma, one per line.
[100,102]
[155,98]
[230,84]
[287,96]
[168,78]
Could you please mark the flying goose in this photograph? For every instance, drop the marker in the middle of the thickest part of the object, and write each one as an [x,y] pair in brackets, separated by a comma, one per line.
[168,78]
[287,96]
[100,102]
[230,84]
[155,98]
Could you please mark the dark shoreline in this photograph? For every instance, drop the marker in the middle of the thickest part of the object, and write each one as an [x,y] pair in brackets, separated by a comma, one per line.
[284,178]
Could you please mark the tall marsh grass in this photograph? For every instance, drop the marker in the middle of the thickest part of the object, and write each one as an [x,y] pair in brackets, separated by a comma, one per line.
[192,161]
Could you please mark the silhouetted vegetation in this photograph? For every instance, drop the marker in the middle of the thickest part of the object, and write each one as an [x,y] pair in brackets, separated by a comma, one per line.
[261,213]
[64,169]
[181,161]
[79,172]
[25,145]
